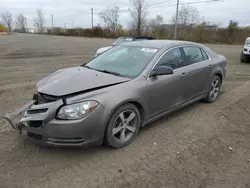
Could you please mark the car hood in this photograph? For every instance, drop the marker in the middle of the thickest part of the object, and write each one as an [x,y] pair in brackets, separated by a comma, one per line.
[103,49]
[76,79]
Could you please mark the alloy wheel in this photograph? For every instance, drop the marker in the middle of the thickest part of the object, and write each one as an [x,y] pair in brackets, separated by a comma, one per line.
[215,88]
[125,126]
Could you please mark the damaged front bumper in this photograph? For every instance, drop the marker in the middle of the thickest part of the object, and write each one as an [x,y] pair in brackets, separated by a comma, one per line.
[38,123]
[15,118]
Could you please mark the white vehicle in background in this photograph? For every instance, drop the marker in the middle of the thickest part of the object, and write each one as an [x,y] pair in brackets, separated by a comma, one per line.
[245,54]
[120,41]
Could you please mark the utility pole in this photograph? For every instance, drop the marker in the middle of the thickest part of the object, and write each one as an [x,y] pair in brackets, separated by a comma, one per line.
[176,20]
[52,21]
[65,26]
[92,21]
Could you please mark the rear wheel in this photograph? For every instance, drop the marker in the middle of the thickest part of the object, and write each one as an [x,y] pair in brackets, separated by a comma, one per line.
[123,126]
[214,90]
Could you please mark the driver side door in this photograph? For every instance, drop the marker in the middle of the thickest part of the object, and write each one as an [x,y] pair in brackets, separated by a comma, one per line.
[166,91]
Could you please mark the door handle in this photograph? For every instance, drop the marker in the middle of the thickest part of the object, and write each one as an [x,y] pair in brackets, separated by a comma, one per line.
[183,74]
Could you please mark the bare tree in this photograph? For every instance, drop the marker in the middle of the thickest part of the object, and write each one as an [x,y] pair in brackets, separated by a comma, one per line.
[7,19]
[39,21]
[187,15]
[157,30]
[156,22]
[110,16]
[138,13]
[21,23]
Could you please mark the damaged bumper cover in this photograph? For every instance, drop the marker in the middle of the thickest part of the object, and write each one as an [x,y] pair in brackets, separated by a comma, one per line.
[38,122]
[12,117]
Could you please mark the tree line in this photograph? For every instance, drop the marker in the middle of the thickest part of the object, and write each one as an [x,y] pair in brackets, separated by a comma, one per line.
[191,26]
[19,23]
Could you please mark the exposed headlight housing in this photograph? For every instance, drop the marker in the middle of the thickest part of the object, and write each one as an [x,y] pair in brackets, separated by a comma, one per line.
[77,110]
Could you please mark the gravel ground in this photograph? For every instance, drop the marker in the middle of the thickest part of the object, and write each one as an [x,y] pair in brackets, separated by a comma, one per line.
[203,145]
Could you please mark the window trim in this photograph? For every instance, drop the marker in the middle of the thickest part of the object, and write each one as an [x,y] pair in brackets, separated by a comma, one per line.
[181,46]
[203,54]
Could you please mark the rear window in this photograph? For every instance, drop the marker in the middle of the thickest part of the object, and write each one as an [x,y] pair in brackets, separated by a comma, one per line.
[193,54]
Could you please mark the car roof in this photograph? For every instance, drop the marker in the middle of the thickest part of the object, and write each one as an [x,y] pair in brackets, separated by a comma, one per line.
[138,37]
[159,43]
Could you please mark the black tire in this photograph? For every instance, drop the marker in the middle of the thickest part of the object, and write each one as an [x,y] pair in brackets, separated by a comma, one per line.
[210,98]
[111,139]
[242,58]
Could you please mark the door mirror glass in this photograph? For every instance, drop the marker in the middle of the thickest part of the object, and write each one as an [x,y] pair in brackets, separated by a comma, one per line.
[161,70]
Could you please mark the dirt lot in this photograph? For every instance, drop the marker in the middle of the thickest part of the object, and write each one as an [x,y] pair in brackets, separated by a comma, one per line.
[189,148]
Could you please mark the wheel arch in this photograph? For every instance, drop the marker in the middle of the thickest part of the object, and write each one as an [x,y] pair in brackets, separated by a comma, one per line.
[136,103]
[141,109]
[219,74]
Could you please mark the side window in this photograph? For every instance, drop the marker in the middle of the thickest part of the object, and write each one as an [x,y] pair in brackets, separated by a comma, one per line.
[205,56]
[193,55]
[172,58]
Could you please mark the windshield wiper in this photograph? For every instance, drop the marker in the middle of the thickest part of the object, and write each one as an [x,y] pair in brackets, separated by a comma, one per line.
[110,72]
[87,67]
[105,71]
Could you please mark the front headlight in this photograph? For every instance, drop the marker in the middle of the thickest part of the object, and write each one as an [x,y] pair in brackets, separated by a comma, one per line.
[76,111]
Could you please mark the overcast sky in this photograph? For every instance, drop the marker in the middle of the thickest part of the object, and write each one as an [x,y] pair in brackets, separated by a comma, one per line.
[64,11]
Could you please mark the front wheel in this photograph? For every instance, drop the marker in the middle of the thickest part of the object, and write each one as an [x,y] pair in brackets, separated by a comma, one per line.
[214,89]
[123,126]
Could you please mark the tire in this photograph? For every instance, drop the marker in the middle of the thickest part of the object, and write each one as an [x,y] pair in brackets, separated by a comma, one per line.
[121,130]
[242,58]
[210,98]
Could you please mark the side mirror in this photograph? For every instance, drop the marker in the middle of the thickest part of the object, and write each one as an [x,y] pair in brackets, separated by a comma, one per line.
[161,70]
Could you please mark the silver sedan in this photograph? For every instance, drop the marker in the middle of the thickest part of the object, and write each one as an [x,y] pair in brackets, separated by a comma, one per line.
[108,99]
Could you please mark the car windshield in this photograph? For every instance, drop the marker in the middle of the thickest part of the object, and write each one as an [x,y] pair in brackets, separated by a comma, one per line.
[122,40]
[126,61]
[247,42]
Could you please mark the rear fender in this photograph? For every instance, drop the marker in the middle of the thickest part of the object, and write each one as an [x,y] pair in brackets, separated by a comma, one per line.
[221,67]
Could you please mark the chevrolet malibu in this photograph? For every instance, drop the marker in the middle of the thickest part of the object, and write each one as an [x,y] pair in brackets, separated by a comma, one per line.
[108,99]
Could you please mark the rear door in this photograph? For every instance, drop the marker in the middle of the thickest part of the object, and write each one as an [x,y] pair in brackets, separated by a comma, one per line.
[198,71]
